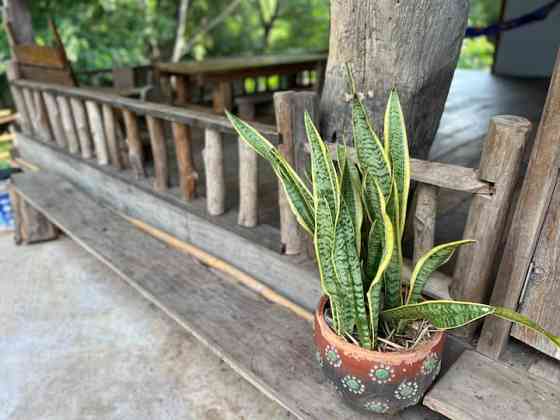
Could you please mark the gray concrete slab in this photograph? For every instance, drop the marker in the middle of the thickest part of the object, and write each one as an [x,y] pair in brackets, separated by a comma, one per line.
[77,343]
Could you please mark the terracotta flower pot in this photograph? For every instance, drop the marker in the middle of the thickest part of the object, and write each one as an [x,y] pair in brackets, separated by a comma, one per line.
[374,381]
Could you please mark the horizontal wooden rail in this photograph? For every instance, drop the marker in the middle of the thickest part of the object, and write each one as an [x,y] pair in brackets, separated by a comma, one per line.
[443,175]
[191,117]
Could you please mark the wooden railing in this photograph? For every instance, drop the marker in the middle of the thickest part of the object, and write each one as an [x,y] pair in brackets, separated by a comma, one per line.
[86,123]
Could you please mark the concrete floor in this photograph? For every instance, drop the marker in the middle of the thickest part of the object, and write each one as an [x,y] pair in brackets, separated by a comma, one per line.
[77,343]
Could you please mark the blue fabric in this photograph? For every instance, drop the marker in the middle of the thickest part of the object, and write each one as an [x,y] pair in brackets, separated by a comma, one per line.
[540,14]
[6,217]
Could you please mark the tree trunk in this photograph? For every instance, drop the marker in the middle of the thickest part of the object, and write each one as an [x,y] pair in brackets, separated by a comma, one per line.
[410,45]
[18,13]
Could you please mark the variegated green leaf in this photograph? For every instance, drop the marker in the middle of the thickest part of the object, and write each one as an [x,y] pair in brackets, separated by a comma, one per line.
[324,248]
[429,263]
[325,183]
[374,251]
[392,275]
[443,314]
[299,197]
[396,145]
[349,273]
[350,192]
[513,316]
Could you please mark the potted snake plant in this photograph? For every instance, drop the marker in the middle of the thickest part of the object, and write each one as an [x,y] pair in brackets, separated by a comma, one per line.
[377,339]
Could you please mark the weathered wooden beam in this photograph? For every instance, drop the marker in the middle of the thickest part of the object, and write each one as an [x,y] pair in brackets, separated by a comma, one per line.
[56,119]
[424,224]
[159,152]
[222,97]
[82,127]
[500,165]
[112,136]
[42,116]
[68,125]
[214,169]
[30,105]
[183,93]
[248,174]
[98,132]
[183,149]
[533,202]
[135,152]
[25,117]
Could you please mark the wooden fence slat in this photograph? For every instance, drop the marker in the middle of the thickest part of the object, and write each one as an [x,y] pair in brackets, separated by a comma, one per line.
[25,118]
[98,132]
[183,150]
[111,135]
[30,105]
[248,174]
[424,224]
[135,152]
[82,127]
[159,151]
[499,165]
[68,125]
[46,132]
[56,119]
[214,169]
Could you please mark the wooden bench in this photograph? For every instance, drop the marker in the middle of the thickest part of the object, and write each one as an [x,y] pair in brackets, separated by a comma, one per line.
[264,342]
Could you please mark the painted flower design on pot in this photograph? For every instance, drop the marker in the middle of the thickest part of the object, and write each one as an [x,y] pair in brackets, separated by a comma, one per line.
[331,354]
[353,384]
[377,407]
[431,364]
[382,373]
[407,390]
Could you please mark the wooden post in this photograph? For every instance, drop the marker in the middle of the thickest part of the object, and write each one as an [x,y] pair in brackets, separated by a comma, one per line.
[500,164]
[111,135]
[98,132]
[82,127]
[159,151]
[532,205]
[424,219]
[25,118]
[183,150]
[31,226]
[289,108]
[30,106]
[183,93]
[214,169]
[68,125]
[222,97]
[56,119]
[135,152]
[391,44]
[248,174]
[42,117]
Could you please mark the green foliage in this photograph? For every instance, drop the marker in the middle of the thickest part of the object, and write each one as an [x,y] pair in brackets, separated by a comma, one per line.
[361,273]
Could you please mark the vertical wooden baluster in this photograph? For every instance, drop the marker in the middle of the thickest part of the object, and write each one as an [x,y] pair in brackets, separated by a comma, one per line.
[56,119]
[33,115]
[98,132]
[68,125]
[248,175]
[183,149]
[289,109]
[111,135]
[159,151]
[222,97]
[214,169]
[424,219]
[183,92]
[135,152]
[82,127]
[43,116]
[25,117]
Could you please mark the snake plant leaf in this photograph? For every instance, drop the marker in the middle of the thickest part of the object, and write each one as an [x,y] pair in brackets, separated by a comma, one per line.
[350,192]
[392,276]
[374,251]
[513,316]
[324,248]
[443,314]
[323,174]
[429,263]
[299,197]
[349,272]
[396,146]
[374,289]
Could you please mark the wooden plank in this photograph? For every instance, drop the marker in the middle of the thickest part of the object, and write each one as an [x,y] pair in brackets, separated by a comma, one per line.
[529,215]
[55,119]
[46,75]
[265,343]
[424,224]
[243,248]
[214,169]
[500,165]
[541,297]
[82,127]
[8,119]
[39,55]
[135,151]
[248,174]
[68,125]
[42,116]
[159,152]
[98,132]
[183,150]
[111,135]
[222,97]
[192,117]
[443,175]
[478,388]
[6,138]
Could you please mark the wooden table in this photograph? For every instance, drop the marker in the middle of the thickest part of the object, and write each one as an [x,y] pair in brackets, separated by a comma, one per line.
[221,72]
